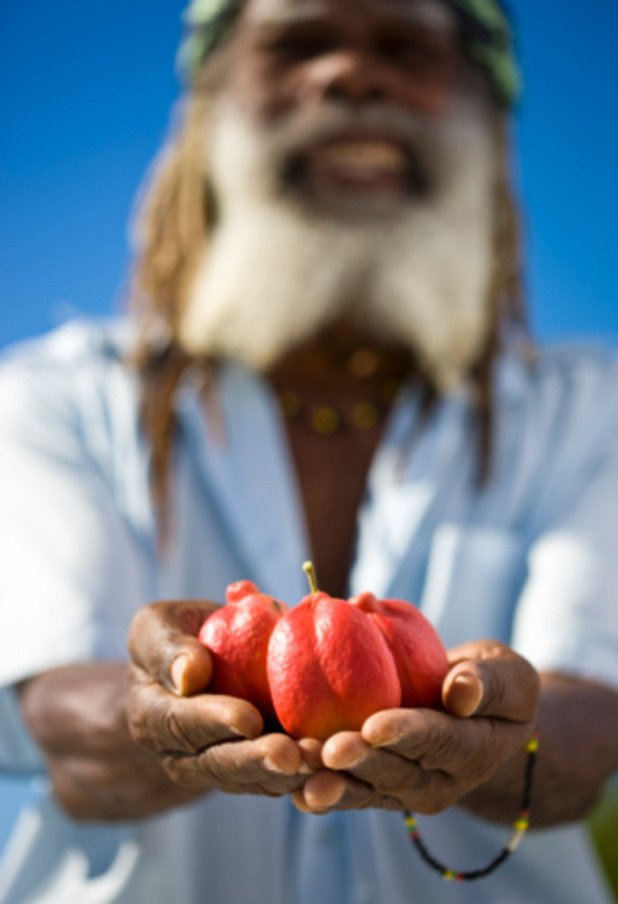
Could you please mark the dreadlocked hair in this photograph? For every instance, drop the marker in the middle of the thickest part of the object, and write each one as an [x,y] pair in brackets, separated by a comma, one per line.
[506,302]
[176,217]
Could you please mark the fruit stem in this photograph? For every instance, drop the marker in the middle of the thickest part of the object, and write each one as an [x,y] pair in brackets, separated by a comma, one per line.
[309,569]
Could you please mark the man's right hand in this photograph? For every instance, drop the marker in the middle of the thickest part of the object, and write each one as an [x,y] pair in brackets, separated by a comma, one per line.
[202,740]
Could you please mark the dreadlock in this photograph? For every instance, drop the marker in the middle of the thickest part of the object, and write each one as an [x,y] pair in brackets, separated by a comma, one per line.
[175,217]
[507,309]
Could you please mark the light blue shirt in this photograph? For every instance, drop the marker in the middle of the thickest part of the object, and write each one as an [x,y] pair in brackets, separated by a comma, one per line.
[531,559]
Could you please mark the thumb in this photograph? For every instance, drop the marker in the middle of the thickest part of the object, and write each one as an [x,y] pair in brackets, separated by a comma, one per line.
[490,679]
[463,691]
[163,643]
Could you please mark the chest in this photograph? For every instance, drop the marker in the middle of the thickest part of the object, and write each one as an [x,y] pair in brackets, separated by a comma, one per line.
[332,476]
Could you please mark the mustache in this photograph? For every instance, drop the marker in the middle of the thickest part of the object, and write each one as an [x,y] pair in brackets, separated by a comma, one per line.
[286,142]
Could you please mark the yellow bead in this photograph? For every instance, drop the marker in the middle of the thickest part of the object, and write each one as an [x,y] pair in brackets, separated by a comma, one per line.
[325,420]
[521,824]
[449,875]
[365,415]
[533,745]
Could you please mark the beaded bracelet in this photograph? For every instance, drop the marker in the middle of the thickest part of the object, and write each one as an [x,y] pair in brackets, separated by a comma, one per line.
[520,827]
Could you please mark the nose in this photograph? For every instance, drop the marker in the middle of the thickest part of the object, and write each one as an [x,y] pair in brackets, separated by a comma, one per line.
[347,75]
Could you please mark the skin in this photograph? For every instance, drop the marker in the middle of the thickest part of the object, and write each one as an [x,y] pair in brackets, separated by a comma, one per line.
[121,746]
[78,715]
[297,55]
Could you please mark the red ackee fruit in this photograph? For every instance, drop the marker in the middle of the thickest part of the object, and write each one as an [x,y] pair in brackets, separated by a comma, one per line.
[237,636]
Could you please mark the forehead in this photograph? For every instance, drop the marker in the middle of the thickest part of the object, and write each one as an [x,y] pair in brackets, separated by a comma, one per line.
[433,13]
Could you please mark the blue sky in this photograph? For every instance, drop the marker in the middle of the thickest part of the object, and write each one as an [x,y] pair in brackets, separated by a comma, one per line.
[85,94]
[85,91]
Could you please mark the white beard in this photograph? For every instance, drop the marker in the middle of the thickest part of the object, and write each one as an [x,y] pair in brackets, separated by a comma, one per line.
[274,274]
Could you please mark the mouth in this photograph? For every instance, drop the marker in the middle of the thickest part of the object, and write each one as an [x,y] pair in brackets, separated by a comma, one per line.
[358,167]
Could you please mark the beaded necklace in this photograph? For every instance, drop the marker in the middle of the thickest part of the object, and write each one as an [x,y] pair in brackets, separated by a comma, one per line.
[375,378]
[326,419]
[520,827]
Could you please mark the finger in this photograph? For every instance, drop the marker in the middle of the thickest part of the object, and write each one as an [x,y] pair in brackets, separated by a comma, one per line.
[327,791]
[320,792]
[271,764]
[163,722]
[280,753]
[163,643]
[386,771]
[490,679]
[470,748]
[345,750]
[311,752]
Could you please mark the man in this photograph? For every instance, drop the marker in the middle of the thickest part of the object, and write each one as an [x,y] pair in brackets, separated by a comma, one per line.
[326,360]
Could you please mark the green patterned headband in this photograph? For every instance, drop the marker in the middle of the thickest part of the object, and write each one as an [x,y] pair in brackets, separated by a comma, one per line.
[485,28]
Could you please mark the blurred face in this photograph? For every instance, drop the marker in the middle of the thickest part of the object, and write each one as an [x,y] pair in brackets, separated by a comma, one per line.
[395,59]
[352,161]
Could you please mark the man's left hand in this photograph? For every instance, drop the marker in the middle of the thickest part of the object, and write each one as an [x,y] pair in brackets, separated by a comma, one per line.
[424,760]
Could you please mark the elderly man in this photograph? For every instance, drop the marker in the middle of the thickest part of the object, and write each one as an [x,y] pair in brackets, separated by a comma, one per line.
[326,357]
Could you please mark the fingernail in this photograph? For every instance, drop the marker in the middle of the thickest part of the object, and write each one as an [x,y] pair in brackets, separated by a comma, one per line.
[381,738]
[177,672]
[274,767]
[471,691]
[341,761]
[325,798]
[247,726]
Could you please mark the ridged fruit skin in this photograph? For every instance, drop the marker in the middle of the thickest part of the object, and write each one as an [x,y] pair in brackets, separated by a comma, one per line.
[237,636]
[329,668]
[415,645]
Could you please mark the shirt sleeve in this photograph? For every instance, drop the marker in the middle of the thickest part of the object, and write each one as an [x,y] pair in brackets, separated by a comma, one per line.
[567,617]
[71,576]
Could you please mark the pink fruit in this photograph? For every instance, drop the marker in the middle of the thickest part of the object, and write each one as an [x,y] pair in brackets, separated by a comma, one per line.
[415,645]
[329,668]
[237,636]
